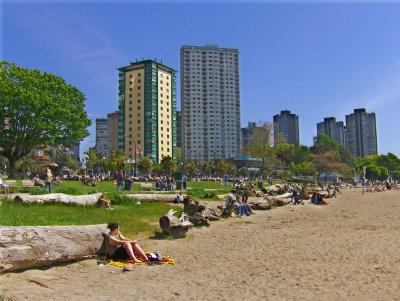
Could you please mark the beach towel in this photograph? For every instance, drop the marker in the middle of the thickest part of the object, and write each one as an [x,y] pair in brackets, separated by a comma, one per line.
[154,258]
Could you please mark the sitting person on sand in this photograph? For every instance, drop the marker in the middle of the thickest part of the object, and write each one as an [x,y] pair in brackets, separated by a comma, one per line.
[102,202]
[316,199]
[233,205]
[120,248]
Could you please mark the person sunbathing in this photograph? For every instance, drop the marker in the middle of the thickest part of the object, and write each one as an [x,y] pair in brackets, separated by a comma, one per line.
[119,247]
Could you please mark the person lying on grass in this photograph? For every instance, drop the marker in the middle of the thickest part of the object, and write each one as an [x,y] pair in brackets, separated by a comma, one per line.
[121,248]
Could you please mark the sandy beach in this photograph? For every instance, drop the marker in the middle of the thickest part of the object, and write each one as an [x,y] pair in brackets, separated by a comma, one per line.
[348,250]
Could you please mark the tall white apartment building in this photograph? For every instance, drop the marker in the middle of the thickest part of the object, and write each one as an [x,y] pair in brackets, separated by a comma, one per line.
[210,98]
[361,135]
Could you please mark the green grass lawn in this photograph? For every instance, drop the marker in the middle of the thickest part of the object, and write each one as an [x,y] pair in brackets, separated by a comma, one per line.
[133,218]
[143,218]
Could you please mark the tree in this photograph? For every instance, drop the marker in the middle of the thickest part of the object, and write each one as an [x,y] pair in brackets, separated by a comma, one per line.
[373,172]
[384,174]
[190,167]
[117,161]
[327,162]
[167,164]
[37,108]
[144,165]
[259,144]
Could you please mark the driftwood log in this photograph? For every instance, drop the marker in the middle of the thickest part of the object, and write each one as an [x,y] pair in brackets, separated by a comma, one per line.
[85,200]
[267,202]
[198,214]
[156,197]
[177,227]
[27,247]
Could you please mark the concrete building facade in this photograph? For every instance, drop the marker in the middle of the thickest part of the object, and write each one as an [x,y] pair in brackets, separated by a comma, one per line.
[361,136]
[102,145]
[286,128]
[247,133]
[210,96]
[113,119]
[332,128]
[147,110]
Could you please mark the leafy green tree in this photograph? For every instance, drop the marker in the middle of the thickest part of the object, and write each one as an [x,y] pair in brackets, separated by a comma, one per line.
[167,165]
[396,175]
[117,161]
[221,167]
[306,168]
[190,167]
[259,144]
[384,174]
[207,168]
[373,172]
[157,169]
[145,165]
[37,108]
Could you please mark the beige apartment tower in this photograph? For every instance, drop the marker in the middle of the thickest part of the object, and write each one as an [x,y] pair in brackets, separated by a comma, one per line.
[147,110]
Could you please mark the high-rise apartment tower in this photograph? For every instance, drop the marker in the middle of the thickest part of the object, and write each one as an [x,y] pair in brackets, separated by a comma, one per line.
[286,128]
[210,96]
[147,108]
[333,129]
[361,136]
[102,145]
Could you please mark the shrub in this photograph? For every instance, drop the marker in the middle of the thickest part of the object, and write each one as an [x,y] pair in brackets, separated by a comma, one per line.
[120,199]
[38,191]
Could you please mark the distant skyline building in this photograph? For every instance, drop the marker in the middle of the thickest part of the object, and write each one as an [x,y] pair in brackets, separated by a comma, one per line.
[147,110]
[361,136]
[102,145]
[333,129]
[286,128]
[113,119]
[210,96]
[247,133]
[178,128]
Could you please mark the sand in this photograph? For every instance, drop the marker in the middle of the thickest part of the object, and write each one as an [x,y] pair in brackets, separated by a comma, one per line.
[348,250]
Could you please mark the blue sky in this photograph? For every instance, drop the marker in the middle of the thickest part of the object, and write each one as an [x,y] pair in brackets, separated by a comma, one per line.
[315,59]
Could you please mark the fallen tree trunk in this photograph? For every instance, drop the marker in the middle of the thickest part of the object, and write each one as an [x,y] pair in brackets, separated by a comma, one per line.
[85,200]
[177,227]
[156,197]
[27,247]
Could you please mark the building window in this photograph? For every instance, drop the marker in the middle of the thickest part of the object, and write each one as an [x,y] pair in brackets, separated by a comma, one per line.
[139,75]
[138,121]
[139,81]
[138,87]
[130,76]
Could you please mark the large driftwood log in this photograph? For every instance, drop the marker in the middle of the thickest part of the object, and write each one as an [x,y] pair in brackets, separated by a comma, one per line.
[156,197]
[177,227]
[85,200]
[27,247]
[199,214]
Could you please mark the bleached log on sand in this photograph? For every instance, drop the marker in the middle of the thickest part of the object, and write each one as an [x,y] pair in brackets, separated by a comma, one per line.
[28,247]
[156,197]
[85,200]
[177,227]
